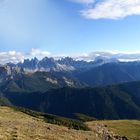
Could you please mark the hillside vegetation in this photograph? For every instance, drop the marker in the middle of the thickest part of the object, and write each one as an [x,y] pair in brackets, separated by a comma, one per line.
[110,102]
[49,118]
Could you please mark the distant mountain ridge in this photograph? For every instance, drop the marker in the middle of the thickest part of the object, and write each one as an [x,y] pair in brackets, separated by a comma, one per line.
[111,73]
[63,64]
[17,79]
[101,71]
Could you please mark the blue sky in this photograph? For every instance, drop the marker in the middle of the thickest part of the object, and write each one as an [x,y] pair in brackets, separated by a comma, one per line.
[66,27]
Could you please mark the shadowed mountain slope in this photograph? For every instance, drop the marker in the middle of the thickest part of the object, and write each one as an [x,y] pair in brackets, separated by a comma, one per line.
[111,102]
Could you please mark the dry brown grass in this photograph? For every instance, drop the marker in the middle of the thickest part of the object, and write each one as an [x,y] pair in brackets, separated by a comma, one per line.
[15,125]
[129,128]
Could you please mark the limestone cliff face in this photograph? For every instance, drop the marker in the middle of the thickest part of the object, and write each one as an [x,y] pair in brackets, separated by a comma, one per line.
[7,72]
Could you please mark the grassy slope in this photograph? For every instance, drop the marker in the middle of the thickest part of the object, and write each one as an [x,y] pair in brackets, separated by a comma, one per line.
[53,119]
[17,125]
[129,128]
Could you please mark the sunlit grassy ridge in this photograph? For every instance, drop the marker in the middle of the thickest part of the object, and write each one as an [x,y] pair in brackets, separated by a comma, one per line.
[20,123]
[84,118]
[129,128]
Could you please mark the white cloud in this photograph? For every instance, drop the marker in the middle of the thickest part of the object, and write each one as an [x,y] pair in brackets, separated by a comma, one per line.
[38,53]
[15,57]
[112,9]
[122,56]
[11,56]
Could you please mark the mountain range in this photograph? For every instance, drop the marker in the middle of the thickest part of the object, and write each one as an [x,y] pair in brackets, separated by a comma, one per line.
[101,71]
[103,88]
[17,79]
[63,64]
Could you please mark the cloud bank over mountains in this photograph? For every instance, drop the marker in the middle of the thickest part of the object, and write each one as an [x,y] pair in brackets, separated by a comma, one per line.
[11,56]
[109,9]
[114,55]
[15,57]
